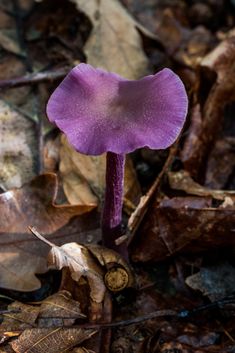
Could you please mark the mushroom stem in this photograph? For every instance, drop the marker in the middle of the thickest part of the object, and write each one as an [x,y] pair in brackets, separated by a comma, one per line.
[112,211]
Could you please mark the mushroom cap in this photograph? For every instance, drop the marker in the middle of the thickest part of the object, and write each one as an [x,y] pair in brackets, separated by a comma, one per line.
[100,111]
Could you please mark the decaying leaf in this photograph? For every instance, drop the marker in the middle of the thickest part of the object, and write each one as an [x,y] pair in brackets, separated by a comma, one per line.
[182,181]
[183,224]
[82,262]
[83,177]
[82,350]
[188,46]
[215,282]
[109,46]
[102,268]
[77,258]
[221,164]
[60,309]
[207,117]
[54,340]
[21,254]
[25,318]
[17,141]
[8,41]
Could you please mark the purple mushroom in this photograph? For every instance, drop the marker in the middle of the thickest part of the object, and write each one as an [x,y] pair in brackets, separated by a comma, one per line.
[102,112]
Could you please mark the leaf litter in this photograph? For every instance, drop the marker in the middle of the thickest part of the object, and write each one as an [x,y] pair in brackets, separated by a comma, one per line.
[184,224]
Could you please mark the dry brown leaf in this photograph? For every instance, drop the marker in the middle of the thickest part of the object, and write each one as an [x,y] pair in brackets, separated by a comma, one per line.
[182,181]
[217,69]
[215,282]
[183,225]
[17,140]
[9,41]
[82,350]
[221,164]
[25,318]
[55,340]
[7,349]
[60,309]
[84,177]
[21,255]
[114,43]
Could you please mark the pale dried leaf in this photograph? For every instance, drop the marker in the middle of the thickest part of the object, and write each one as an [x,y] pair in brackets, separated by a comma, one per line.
[83,177]
[55,340]
[80,263]
[114,43]
[17,140]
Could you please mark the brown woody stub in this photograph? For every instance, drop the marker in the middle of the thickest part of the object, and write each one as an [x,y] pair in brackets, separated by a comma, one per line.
[116,279]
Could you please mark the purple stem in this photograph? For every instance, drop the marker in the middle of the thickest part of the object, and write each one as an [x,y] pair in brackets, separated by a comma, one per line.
[112,211]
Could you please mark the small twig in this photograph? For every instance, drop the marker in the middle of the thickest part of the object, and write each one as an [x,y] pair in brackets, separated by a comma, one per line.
[34,78]
[138,215]
[7,311]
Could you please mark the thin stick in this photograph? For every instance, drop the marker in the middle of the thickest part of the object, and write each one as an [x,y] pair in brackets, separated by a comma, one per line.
[34,78]
[7,311]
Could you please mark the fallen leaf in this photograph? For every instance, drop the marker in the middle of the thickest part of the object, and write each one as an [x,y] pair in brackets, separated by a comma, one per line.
[77,258]
[14,323]
[60,309]
[182,181]
[83,177]
[183,225]
[82,350]
[9,41]
[215,282]
[51,154]
[21,254]
[17,140]
[221,164]
[217,68]
[56,340]
[114,43]
[102,268]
